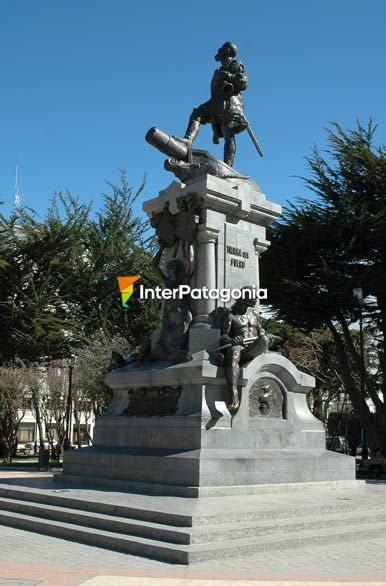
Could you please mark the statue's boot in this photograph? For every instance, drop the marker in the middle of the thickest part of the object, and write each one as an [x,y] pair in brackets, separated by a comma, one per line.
[229,150]
[191,132]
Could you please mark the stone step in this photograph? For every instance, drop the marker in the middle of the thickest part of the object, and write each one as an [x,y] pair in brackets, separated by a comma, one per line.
[169,552]
[184,553]
[61,497]
[221,533]
[156,531]
[199,491]
[283,514]
[200,534]
[247,514]
[98,481]
[305,538]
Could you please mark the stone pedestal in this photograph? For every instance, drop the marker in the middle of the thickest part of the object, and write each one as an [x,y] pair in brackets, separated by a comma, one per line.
[231,233]
[168,429]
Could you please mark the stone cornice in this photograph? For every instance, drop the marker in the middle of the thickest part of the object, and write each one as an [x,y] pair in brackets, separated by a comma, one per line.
[239,197]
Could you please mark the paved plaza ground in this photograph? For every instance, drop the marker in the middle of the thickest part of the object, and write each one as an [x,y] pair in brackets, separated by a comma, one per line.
[28,559]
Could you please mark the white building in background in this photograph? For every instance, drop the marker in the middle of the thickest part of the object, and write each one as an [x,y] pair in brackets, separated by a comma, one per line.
[28,432]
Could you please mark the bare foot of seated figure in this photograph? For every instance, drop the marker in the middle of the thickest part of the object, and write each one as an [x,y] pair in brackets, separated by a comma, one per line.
[234,401]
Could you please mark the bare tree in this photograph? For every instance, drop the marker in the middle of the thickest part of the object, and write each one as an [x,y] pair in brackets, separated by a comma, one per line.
[94,360]
[54,402]
[14,387]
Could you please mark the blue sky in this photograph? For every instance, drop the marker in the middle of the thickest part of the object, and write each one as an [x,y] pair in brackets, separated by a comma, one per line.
[82,81]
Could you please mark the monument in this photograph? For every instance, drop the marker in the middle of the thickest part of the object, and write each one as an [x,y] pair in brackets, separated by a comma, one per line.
[207,406]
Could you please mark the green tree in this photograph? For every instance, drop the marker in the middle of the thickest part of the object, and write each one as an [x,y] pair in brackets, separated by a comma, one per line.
[117,244]
[59,294]
[36,283]
[58,282]
[322,249]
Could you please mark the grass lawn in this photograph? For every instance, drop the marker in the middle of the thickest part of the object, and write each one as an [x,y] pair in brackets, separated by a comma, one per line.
[26,463]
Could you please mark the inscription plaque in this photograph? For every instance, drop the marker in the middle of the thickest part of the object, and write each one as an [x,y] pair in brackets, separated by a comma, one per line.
[151,401]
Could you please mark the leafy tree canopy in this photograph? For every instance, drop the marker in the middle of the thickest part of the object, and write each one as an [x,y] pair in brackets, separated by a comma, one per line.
[58,284]
[322,249]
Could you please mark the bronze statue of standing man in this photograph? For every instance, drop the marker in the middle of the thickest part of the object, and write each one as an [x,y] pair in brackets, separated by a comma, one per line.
[225,109]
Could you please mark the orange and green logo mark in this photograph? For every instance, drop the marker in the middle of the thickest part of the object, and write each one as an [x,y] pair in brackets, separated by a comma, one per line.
[126,287]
